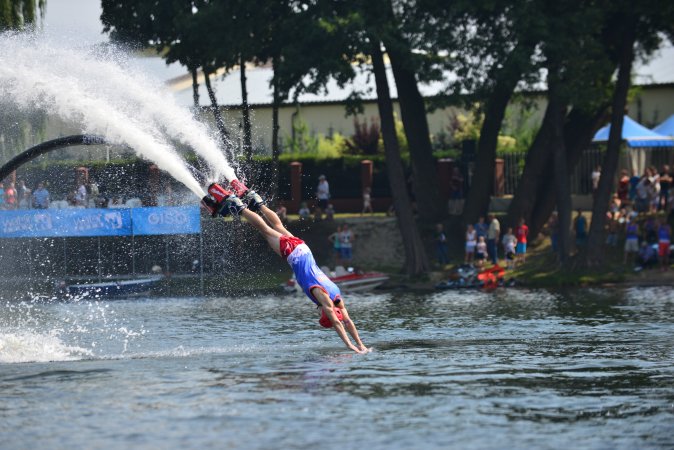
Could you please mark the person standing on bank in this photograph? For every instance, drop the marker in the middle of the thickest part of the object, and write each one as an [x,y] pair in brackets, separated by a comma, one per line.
[553,225]
[41,197]
[346,239]
[337,245]
[493,236]
[481,229]
[323,193]
[439,240]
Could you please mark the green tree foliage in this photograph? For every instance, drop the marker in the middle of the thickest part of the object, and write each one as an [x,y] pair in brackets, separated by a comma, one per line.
[15,123]
[21,14]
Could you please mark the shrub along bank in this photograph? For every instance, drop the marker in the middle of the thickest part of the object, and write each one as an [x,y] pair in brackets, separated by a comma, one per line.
[130,176]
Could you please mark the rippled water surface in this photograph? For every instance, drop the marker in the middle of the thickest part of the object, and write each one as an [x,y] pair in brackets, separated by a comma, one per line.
[588,368]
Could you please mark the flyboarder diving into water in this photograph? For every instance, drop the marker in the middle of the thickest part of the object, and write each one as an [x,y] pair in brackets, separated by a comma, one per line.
[315,284]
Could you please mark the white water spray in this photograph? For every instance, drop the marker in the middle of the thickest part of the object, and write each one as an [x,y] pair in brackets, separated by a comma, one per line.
[119,103]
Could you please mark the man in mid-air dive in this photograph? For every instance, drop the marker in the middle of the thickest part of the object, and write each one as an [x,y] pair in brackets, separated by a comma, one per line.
[315,284]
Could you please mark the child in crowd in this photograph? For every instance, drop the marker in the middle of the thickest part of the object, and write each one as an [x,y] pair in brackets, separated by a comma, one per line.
[481,252]
[330,212]
[631,240]
[521,233]
[664,238]
[612,237]
[471,241]
[305,214]
[336,244]
[367,203]
[509,242]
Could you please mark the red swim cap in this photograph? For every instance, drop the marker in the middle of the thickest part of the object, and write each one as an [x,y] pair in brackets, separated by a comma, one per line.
[325,320]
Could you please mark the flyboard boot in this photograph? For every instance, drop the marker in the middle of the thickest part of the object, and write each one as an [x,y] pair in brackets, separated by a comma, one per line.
[220,201]
[250,198]
[227,202]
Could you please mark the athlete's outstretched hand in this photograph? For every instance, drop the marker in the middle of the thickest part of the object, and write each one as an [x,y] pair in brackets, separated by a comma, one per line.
[356,349]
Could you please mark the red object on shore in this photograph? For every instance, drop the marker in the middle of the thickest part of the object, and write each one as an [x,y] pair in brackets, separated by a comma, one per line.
[491,277]
[325,320]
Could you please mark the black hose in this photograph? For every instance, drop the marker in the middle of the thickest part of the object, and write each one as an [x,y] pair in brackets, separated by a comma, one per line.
[46,147]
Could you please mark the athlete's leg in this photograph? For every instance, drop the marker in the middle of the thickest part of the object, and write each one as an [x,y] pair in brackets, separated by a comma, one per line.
[274,221]
[272,236]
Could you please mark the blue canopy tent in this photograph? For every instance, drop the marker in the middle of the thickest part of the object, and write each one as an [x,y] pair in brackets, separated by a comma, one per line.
[644,147]
[666,128]
[636,135]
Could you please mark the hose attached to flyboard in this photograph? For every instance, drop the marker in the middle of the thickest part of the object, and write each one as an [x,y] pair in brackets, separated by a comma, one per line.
[46,147]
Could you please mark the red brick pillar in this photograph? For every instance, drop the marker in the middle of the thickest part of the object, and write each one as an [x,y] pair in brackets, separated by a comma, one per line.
[11,178]
[365,174]
[154,185]
[295,185]
[445,168]
[499,179]
[82,176]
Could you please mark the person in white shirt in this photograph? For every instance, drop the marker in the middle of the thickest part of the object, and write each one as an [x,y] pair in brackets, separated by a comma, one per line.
[81,197]
[346,239]
[642,194]
[367,202]
[596,175]
[323,192]
[509,242]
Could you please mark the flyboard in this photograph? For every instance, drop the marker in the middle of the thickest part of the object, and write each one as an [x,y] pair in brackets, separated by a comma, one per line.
[468,277]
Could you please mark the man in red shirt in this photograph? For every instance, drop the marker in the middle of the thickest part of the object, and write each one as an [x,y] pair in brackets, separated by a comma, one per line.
[521,233]
[623,186]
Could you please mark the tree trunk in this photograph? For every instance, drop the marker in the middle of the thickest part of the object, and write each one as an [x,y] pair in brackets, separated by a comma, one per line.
[537,158]
[432,207]
[591,255]
[195,88]
[247,140]
[274,143]
[562,179]
[482,184]
[224,136]
[578,132]
[416,260]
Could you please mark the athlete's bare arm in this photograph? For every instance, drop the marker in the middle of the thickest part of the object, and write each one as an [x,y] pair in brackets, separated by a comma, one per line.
[350,326]
[327,306]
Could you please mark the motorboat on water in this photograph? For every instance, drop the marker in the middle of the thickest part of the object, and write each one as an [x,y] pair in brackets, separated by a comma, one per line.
[108,289]
[468,277]
[353,280]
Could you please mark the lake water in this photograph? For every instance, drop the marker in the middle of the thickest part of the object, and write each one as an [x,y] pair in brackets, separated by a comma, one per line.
[582,368]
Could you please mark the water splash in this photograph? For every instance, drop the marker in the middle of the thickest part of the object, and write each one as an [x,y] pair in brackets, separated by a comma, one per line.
[101,91]
[27,346]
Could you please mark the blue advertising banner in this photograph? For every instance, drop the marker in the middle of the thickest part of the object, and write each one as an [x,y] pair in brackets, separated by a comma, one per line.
[174,220]
[65,223]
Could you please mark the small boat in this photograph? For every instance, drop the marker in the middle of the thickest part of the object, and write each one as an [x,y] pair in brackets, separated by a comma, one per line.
[468,277]
[109,289]
[353,280]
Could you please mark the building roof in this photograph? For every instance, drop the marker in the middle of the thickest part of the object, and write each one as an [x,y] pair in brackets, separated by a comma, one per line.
[658,70]
[228,88]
